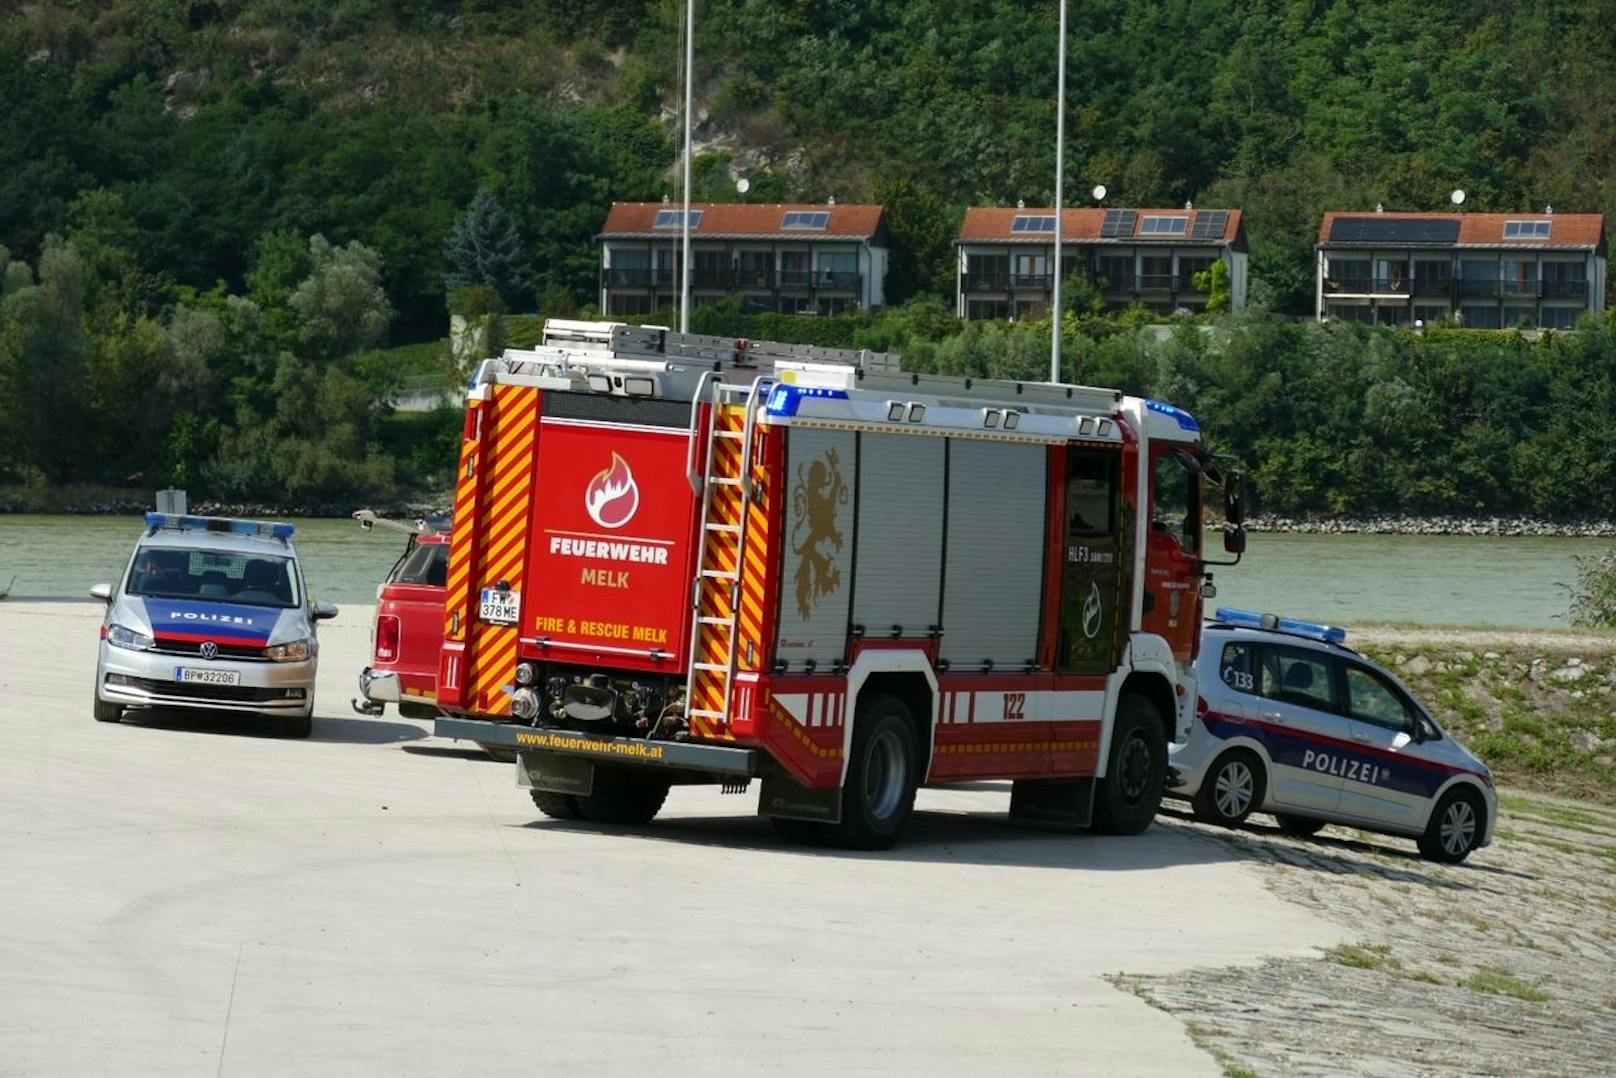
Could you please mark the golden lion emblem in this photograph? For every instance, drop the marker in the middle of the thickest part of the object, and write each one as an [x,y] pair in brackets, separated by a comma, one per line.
[815,538]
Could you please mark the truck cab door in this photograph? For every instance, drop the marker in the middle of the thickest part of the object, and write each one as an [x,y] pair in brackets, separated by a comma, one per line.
[1095,564]
[1172,592]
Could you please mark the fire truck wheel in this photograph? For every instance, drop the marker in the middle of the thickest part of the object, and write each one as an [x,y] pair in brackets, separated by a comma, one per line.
[1233,787]
[1131,791]
[623,797]
[881,776]
[106,712]
[556,806]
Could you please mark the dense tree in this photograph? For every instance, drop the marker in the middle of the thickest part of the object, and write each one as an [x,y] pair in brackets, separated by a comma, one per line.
[485,249]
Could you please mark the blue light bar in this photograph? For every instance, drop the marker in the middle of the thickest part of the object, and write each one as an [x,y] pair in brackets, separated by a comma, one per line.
[1184,420]
[1250,619]
[786,399]
[280,531]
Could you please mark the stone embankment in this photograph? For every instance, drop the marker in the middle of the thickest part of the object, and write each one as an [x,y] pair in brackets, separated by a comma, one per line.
[1407,525]
[245,510]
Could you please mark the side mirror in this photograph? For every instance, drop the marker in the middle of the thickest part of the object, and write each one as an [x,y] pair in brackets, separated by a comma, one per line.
[102,592]
[324,611]
[1234,540]
[1234,497]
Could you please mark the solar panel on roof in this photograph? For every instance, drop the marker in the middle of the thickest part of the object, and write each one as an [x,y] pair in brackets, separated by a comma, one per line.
[1210,224]
[1118,224]
[1420,230]
[675,219]
[1526,230]
[806,220]
[1164,226]
[1027,222]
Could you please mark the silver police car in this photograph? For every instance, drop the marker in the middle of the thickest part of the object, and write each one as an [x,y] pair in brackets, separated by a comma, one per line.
[1292,722]
[211,614]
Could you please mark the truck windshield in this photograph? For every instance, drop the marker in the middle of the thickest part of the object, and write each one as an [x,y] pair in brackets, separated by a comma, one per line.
[425,563]
[220,575]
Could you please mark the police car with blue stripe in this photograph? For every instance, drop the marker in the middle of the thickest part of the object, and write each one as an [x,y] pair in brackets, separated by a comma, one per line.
[211,614]
[1292,722]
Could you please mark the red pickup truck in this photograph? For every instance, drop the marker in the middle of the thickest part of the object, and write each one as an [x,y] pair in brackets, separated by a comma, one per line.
[408,632]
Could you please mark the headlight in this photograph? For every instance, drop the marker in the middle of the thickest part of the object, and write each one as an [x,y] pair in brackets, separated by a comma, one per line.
[294,652]
[124,637]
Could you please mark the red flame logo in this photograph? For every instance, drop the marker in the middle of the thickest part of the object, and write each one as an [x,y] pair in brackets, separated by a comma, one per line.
[612,497]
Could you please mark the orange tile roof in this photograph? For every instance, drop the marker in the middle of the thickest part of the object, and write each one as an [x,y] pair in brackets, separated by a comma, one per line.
[1581,231]
[731,220]
[992,223]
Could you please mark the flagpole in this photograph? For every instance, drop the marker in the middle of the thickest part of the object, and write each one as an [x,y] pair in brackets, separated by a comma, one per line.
[684,219]
[1060,200]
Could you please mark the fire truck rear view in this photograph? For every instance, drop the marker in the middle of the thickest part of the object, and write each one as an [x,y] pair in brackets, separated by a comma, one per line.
[685,559]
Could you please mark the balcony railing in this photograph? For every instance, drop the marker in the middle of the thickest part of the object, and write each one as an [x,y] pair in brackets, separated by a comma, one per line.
[637,277]
[1518,289]
[1030,282]
[1155,282]
[987,281]
[1480,287]
[1433,286]
[1565,290]
[1367,286]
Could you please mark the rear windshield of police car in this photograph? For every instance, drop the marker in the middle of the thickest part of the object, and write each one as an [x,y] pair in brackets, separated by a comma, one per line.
[219,575]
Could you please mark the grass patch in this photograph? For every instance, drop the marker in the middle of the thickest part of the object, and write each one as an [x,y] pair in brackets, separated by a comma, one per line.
[1474,920]
[1202,1037]
[1448,959]
[1364,956]
[1497,982]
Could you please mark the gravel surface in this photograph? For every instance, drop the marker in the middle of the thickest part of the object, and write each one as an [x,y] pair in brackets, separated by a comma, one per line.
[1505,964]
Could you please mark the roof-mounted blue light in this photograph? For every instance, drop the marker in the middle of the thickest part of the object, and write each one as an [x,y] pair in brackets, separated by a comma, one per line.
[277,530]
[786,399]
[1250,619]
[1184,420]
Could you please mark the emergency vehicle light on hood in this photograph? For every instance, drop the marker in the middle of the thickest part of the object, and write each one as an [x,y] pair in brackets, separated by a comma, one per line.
[154,521]
[1250,619]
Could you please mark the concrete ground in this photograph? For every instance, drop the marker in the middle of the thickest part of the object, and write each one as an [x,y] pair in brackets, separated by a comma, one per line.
[194,895]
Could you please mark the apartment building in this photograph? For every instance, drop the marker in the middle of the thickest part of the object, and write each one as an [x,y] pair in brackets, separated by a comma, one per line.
[797,258]
[1137,256]
[1480,270]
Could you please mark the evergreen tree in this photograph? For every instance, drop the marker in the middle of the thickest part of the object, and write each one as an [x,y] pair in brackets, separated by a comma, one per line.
[485,249]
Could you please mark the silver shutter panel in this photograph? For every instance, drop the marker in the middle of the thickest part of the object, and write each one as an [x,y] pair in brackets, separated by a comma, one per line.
[818,548]
[996,496]
[900,533]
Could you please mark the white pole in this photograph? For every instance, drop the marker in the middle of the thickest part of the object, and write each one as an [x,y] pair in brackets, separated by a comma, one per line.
[684,223]
[1060,200]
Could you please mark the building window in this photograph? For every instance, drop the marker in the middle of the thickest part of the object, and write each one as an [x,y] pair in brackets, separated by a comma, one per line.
[1163,226]
[1347,275]
[1027,222]
[755,269]
[631,303]
[1526,230]
[1156,271]
[987,308]
[1391,315]
[987,273]
[1189,266]
[1117,272]
[1430,315]
[795,269]
[1479,316]
[1520,317]
[837,269]
[675,219]
[1350,312]
[1561,317]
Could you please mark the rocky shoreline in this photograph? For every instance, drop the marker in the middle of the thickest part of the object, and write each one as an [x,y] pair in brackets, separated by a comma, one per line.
[245,510]
[1407,525]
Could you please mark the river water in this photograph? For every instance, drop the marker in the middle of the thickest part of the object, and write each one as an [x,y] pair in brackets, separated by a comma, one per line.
[1344,579]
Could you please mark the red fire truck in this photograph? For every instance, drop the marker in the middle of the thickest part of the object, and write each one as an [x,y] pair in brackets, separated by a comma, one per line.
[686,559]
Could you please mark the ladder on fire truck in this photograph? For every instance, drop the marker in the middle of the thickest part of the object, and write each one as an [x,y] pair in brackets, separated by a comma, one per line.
[724,485]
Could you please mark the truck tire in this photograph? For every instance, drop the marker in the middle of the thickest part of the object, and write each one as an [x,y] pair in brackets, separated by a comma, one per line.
[881,776]
[1456,826]
[622,797]
[1298,826]
[557,806]
[1232,789]
[106,712]
[1136,775]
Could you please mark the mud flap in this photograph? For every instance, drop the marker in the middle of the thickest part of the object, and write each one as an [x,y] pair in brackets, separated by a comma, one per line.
[555,774]
[785,798]
[1058,804]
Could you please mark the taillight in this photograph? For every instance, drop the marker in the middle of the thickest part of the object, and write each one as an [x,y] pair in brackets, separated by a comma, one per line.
[387,630]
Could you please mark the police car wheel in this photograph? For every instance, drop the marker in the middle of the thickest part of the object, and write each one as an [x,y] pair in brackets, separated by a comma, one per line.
[1131,791]
[881,776]
[1232,790]
[1455,827]
[1299,826]
[105,712]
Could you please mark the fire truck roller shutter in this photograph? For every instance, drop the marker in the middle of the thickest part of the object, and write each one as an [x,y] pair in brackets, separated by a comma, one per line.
[816,574]
[899,557]
[995,556]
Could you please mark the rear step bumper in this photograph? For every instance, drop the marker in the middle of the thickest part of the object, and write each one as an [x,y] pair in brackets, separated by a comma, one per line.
[674,755]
